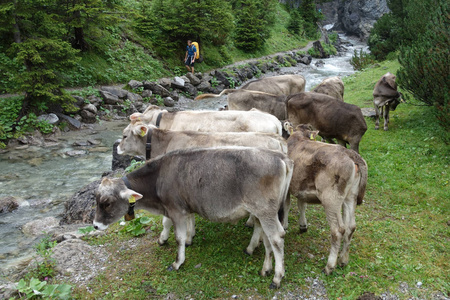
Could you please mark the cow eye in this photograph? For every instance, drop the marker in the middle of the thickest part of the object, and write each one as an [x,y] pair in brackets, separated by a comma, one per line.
[124,137]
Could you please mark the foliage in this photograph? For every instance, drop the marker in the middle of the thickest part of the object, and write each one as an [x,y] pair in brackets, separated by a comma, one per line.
[254,19]
[134,165]
[135,227]
[311,17]
[425,66]
[361,60]
[333,36]
[87,229]
[36,289]
[328,49]
[45,264]
[296,22]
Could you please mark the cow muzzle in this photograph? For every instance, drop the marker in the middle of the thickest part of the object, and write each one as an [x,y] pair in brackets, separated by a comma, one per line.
[100,226]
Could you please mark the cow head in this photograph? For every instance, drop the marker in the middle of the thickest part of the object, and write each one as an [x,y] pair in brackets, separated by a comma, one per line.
[134,138]
[395,101]
[306,132]
[113,199]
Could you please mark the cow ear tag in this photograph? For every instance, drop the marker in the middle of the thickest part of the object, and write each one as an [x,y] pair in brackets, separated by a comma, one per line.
[132,199]
[143,132]
[311,136]
[291,131]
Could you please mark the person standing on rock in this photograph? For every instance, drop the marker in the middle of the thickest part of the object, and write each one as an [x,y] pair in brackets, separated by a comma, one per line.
[189,59]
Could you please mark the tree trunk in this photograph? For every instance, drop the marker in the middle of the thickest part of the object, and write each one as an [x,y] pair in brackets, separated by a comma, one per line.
[16,31]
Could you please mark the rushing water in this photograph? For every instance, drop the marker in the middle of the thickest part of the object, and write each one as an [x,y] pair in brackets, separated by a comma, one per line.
[47,177]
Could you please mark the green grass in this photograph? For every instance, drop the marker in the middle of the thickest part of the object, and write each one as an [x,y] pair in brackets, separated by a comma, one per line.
[402,234]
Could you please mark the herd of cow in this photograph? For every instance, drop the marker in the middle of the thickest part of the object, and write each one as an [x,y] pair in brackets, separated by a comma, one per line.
[225,165]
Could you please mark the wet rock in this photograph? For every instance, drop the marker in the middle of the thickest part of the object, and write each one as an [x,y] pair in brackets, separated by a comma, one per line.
[90,107]
[97,101]
[178,83]
[22,147]
[73,123]
[49,118]
[8,204]
[94,142]
[80,208]
[120,93]
[121,161]
[81,144]
[73,153]
[168,101]
[222,77]
[185,78]
[319,63]
[110,98]
[175,96]
[40,226]
[34,162]
[305,59]
[134,84]
[191,89]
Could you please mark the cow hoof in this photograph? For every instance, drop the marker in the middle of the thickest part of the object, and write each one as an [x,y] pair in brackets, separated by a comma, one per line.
[303,229]
[187,244]
[162,243]
[249,225]
[170,268]
[385,129]
[247,252]
[274,286]
[266,273]
[327,271]
[376,127]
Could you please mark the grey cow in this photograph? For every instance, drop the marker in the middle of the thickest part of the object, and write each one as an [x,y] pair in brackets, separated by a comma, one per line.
[220,184]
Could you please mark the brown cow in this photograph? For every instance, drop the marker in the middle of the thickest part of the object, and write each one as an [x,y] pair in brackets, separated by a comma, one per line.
[331,86]
[333,118]
[276,85]
[330,175]
[385,96]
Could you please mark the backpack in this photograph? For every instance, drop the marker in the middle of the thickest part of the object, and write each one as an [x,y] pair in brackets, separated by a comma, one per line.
[198,57]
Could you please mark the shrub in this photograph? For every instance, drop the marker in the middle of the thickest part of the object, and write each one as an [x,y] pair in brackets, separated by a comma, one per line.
[361,60]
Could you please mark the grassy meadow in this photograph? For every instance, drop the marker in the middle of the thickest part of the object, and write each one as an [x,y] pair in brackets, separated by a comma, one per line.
[401,244]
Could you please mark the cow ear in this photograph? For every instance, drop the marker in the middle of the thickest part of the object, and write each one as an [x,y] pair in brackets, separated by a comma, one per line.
[135,117]
[140,130]
[288,127]
[130,195]
[313,134]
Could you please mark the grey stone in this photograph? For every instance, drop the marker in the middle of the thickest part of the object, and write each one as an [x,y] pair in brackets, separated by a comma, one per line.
[121,161]
[8,204]
[73,153]
[185,78]
[156,88]
[222,77]
[204,86]
[175,96]
[134,97]
[319,63]
[192,90]
[110,98]
[193,79]
[80,208]
[178,83]
[97,101]
[146,93]
[306,59]
[165,83]
[368,112]
[90,107]
[169,102]
[79,100]
[134,84]
[88,116]
[73,123]
[40,226]
[49,118]
[121,93]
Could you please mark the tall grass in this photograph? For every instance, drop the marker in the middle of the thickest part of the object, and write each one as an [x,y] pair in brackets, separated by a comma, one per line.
[401,244]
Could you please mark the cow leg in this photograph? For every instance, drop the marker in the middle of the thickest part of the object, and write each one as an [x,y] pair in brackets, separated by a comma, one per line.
[190,229]
[251,221]
[180,235]
[348,213]
[337,229]
[256,237]
[267,265]
[377,116]
[274,233]
[302,211]
[284,218]
[164,236]
[386,117]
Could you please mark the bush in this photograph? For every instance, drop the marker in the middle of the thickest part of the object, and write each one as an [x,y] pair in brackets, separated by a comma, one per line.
[424,70]
[361,60]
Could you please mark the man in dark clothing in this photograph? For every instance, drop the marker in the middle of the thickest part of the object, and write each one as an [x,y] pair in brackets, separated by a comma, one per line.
[189,59]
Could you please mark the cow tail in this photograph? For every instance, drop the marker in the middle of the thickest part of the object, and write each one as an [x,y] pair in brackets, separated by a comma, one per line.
[286,201]
[224,92]
[362,165]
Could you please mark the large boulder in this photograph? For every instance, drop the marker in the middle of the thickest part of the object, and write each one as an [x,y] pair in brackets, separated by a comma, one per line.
[110,98]
[49,118]
[81,207]
[193,79]
[134,84]
[156,88]
[119,92]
